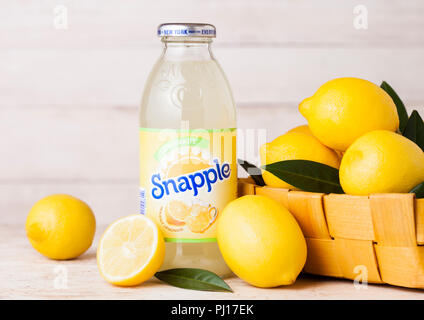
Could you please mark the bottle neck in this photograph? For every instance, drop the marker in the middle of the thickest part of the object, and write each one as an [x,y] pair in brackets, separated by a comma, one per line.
[187,48]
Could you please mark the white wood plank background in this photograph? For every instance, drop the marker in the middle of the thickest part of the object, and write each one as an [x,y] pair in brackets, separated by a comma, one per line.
[68,98]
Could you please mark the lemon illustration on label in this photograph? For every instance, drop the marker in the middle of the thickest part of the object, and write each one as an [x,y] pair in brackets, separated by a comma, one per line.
[176,215]
[201,218]
[173,215]
[186,179]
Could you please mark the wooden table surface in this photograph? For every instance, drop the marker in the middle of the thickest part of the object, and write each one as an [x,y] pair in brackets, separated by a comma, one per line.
[25,274]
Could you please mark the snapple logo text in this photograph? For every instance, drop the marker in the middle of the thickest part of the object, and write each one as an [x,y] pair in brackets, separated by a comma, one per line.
[191,182]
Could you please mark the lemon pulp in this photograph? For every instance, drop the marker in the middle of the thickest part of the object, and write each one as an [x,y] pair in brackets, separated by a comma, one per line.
[130,251]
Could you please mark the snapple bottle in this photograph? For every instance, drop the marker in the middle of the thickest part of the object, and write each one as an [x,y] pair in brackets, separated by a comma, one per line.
[188,169]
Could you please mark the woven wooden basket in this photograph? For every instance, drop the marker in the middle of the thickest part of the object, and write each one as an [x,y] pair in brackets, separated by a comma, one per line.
[347,235]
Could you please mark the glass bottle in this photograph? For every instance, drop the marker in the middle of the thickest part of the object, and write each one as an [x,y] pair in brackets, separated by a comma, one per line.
[188,170]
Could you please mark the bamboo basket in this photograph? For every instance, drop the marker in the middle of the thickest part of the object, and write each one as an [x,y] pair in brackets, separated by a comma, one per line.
[377,237]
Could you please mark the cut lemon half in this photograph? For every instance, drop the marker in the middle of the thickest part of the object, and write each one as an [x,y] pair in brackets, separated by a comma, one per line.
[130,251]
[176,212]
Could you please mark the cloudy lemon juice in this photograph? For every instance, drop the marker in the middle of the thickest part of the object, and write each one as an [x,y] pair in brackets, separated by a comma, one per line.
[187,147]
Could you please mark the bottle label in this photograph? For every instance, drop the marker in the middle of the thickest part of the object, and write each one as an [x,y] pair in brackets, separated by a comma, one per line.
[186,179]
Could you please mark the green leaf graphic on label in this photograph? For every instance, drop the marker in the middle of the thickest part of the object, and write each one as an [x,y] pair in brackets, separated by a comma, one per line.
[188,141]
[194,279]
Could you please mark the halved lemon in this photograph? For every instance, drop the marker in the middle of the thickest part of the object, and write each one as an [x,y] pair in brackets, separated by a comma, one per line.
[176,212]
[130,251]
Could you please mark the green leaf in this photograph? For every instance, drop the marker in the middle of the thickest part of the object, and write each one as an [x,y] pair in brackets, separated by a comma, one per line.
[194,279]
[252,171]
[401,110]
[307,175]
[414,130]
[418,190]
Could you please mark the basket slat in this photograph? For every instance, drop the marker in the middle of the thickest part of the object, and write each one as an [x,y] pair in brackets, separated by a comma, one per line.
[401,266]
[279,195]
[419,220]
[308,210]
[322,258]
[394,219]
[346,234]
[349,217]
[245,187]
[357,257]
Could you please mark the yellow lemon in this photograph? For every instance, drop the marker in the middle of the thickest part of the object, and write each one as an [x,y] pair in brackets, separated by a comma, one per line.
[60,226]
[302,129]
[339,154]
[294,145]
[305,129]
[268,248]
[344,109]
[130,251]
[381,162]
